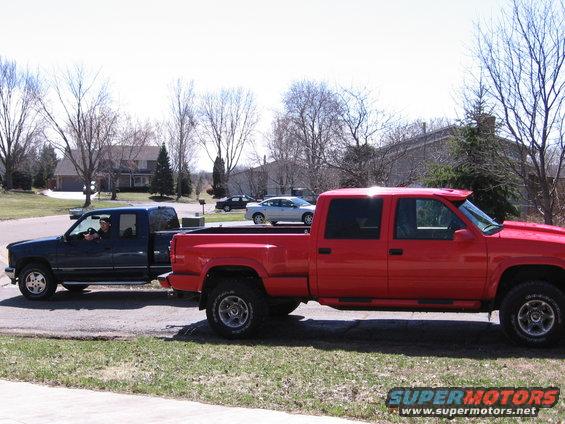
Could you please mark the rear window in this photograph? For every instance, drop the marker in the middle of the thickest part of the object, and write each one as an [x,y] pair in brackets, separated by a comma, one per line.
[162,219]
[354,219]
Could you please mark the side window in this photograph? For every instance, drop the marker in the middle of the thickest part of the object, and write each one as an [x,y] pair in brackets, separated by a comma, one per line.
[128,225]
[91,222]
[286,203]
[354,219]
[425,219]
[163,219]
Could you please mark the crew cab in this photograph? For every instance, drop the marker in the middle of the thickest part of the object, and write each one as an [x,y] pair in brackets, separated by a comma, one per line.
[380,249]
[135,250]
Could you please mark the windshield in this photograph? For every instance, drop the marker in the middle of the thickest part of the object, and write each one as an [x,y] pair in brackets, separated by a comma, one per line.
[300,202]
[484,222]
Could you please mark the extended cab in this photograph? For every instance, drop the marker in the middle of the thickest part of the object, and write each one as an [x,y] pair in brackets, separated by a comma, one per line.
[380,249]
[134,250]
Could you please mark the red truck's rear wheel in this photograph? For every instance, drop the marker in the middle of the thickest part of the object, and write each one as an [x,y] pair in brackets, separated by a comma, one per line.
[236,310]
[531,314]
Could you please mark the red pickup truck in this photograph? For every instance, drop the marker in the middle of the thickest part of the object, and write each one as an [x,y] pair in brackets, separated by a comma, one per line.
[380,249]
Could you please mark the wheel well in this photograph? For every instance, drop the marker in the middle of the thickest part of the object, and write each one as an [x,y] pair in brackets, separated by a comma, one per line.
[221,273]
[523,273]
[306,213]
[26,261]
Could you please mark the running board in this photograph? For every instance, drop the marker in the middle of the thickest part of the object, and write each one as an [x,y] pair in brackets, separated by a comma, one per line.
[105,283]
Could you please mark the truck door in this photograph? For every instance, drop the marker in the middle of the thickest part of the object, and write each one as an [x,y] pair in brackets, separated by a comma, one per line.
[425,262]
[130,247]
[352,249]
[79,259]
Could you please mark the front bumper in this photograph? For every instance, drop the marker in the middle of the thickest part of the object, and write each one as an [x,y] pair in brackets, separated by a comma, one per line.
[11,273]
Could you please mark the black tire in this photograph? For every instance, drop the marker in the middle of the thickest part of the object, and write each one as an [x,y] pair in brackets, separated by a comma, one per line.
[274,222]
[258,218]
[36,282]
[307,218]
[75,288]
[531,314]
[283,308]
[227,208]
[250,310]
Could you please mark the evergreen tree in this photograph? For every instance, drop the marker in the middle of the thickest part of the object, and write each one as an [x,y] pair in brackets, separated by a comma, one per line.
[186,183]
[476,165]
[162,181]
[219,178]
[45,167]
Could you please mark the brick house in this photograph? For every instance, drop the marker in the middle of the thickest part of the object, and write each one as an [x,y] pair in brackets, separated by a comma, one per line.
[133,173]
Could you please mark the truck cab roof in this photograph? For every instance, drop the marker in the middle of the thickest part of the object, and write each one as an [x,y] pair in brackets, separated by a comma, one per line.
[447,193]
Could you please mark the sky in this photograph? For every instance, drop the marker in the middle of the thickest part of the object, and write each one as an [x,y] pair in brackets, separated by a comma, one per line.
[414,55]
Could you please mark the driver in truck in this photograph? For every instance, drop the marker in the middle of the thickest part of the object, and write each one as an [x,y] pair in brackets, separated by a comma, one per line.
[103,232]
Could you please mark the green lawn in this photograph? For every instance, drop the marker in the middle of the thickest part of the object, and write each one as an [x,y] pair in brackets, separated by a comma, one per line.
[329,378]
[225,217]
[148,197]
[26,205]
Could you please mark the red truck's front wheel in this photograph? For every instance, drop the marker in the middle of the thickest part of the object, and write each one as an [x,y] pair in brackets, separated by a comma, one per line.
[532,314]
[236,310]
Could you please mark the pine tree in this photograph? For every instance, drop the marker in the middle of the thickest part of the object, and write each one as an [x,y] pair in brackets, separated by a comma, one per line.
[476,166]
[186,183]
[45,167]
[162,181]
[219,178]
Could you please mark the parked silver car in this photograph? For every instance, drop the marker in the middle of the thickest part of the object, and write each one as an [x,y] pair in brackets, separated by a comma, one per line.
[275,209]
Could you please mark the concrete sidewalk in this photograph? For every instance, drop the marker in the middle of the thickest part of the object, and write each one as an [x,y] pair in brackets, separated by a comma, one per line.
[33,403]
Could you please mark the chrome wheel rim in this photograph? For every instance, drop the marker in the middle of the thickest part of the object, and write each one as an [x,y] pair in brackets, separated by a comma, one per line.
[536,318]
[259,219]
[35,282]
[233,311]
[308,219]
[226,208]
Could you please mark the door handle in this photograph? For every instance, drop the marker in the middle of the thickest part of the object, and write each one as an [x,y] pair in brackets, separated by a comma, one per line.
[395,252]
[324,250]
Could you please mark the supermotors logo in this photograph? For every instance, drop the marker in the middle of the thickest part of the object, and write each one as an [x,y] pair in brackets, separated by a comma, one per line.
[471,401]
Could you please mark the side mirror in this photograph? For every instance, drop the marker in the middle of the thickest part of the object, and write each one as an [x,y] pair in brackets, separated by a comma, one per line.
[463,235]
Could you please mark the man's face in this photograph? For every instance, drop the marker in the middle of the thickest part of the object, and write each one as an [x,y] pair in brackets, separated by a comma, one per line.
[104,226]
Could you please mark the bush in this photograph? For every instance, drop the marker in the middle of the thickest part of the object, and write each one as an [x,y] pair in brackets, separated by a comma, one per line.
[22,180]
[210,191]
[127,189]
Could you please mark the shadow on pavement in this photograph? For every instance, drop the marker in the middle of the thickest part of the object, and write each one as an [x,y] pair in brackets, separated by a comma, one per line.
[99,299]
[454,339]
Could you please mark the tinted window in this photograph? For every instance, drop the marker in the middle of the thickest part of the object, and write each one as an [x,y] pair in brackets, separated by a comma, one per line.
[286,203]
[273,202]
[425,219]
[128,225]
[163,219]
[354,219]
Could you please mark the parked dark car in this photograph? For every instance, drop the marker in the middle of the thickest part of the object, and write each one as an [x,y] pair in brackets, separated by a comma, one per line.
[133,250]
[238,201]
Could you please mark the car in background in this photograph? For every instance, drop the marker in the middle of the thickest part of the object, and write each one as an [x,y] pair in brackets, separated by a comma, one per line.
[238,201]
[286,209]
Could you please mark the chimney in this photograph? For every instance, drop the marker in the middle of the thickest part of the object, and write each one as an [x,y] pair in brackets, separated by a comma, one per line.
[264,159]
[486,124]
[424,128]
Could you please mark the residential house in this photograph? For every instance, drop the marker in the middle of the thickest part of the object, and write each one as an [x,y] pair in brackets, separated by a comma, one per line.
[134,170]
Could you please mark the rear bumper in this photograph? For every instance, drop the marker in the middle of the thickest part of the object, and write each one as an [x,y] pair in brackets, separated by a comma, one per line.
[11,273]
[181,282]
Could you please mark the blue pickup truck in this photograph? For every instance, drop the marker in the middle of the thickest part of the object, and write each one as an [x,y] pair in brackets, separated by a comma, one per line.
[104,247]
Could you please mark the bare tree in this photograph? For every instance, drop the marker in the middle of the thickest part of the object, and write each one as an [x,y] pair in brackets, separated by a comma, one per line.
[228,119]
[20,121]
[120,157]
[83,120]
[522,58]
[313,113]
[181,126]
[362,153]
[284,149]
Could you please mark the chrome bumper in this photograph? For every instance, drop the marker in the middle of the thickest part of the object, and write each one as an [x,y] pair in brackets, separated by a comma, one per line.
[10,272]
